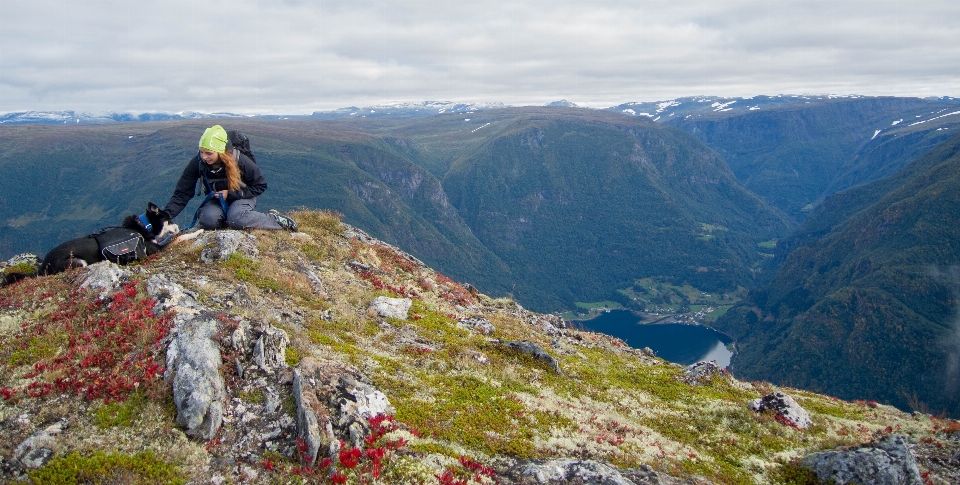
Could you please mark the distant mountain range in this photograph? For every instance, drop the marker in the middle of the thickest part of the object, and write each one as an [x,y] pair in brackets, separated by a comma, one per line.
[402,110]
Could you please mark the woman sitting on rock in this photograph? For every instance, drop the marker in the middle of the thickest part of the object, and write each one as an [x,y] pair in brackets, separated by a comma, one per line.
[235,182]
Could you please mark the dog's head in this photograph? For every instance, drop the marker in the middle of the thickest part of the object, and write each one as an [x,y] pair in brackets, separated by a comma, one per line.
[157,222]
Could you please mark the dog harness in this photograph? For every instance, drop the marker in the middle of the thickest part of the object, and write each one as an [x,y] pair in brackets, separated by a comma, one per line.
[121,245]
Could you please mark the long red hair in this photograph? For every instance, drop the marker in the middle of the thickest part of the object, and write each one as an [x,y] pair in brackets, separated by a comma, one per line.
[233,171]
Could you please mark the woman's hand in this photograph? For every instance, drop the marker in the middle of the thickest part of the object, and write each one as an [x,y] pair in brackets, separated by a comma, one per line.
[222,195]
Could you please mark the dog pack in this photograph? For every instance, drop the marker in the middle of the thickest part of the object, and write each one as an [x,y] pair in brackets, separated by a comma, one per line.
[120,245]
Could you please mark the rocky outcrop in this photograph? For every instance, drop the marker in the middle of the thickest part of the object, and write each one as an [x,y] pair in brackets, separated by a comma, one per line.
[887,461]
[193,367]
[219,245]
[104,277]
[533,350]
[36,451]
[334,403]
[478,324]
[391,307]
[784,407]
[572,471]
[701,372]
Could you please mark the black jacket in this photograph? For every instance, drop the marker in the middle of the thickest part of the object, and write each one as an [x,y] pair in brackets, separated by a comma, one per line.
[252,182]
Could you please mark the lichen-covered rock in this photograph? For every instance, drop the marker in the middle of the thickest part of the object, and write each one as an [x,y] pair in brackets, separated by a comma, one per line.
[170,295]
[105,276]
[391,307]
[334,403]
[701,372]
[887,461]
[193,365]
[35,451]
[564,471]
[534,350]
[785,407]
[270,349]
[219,245]
[478,323]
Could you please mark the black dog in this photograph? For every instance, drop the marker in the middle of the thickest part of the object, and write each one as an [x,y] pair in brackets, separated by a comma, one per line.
[138,237]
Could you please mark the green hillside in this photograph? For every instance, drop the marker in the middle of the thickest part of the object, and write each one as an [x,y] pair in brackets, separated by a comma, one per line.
[579,206]
[865,305]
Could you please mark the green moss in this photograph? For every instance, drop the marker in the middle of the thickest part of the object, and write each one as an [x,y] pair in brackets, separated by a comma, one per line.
[22,268]
[37,349]
[121,414]
[292,356]
[436,326]
[479,415]
[143,468]
[246,269]
[837,409]
[255,395]
[791,473]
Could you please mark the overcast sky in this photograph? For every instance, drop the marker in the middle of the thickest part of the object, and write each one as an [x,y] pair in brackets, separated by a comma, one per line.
[292,57]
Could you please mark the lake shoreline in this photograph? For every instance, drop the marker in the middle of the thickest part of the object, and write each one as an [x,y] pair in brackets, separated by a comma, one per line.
[681,342]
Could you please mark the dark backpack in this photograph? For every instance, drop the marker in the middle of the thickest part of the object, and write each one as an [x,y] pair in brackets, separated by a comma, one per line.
[241,143]
[120,245]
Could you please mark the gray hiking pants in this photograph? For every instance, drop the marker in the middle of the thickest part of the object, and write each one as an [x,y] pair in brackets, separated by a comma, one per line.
[240,215]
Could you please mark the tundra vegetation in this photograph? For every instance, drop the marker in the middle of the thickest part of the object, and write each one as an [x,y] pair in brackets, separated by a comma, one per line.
[466,407]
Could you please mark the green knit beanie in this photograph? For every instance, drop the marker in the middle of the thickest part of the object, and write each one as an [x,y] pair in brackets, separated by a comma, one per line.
[214,139]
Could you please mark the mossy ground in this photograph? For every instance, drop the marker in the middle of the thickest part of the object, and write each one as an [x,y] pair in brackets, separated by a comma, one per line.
[458,389]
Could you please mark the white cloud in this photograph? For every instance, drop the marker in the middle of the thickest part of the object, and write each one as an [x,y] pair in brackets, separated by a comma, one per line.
[267,56]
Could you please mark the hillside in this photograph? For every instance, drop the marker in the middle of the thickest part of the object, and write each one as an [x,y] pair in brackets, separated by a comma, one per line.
[579,206]
[608,198]
[865,302]
[796,150]
[104,370]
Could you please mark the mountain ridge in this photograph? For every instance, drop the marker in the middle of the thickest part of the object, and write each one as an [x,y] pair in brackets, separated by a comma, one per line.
[472,388]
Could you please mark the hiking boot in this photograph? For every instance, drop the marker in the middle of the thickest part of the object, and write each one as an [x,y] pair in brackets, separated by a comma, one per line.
[284,221]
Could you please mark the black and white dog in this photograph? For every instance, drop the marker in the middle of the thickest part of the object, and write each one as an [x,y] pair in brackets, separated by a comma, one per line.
[138,237]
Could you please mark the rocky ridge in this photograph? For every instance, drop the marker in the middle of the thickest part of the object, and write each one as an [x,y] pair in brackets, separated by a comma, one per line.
[329,356]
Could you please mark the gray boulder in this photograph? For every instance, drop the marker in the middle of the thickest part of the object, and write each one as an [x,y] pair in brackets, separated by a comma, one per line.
[701,372]
[219,245]
[785,407]
[391,307]
[477,323]
[887,461]
[532,349]
[565,471]
[104,276]
[35,451]
[193,364]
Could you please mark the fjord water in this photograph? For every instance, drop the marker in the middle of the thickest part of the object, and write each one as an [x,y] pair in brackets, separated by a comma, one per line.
[675,342]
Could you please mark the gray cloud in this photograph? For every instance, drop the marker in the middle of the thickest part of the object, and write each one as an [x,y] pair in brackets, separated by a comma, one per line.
[299,56]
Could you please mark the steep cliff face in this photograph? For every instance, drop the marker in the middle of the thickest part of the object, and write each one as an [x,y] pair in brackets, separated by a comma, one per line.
[330,356]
